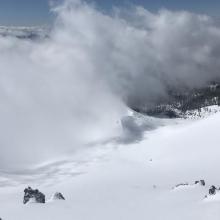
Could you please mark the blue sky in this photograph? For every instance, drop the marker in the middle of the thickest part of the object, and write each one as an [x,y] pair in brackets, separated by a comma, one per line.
[36,12]
[25,12]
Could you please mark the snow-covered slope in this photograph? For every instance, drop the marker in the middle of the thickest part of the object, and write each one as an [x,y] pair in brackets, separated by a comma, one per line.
[202,112]
[135,181]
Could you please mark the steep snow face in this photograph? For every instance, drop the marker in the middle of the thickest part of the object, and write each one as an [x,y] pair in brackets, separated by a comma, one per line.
[130,182]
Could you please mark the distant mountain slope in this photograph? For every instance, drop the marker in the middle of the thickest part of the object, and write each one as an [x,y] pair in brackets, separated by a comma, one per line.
[180,104]
[31,33]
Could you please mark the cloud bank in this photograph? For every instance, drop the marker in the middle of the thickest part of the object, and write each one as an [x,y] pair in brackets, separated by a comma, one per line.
[71,88]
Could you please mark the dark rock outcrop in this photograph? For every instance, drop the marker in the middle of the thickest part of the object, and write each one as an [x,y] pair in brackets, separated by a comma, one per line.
[181,184]
[212,190]
[33,195]
[201,182]
[58,196]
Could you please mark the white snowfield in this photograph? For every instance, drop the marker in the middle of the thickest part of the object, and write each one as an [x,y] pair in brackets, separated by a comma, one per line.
[127,182]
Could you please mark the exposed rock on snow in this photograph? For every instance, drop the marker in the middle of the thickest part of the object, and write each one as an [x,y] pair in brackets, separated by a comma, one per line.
[180,185]
[107,195]
[57,196]
[201,182]
[212,190]
[33,195]
[212,198]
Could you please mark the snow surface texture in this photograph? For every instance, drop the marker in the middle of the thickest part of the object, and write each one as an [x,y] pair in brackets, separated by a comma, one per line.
[129,182]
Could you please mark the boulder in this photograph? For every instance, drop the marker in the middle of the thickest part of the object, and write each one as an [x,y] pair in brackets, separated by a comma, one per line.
[33,195]
[212,190]
[58,196]
[201,182]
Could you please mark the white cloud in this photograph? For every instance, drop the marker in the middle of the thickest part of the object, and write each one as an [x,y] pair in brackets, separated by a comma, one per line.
[59,94]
